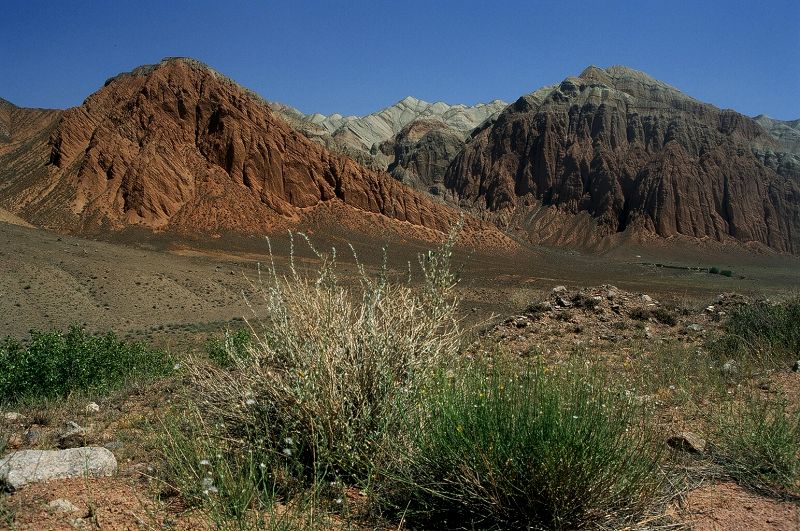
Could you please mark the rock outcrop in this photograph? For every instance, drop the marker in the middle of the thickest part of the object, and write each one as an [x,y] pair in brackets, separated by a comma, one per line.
[177,146]
[621,151]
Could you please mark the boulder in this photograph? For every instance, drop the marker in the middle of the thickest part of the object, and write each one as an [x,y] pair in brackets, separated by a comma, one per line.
[688,442]
[31,466]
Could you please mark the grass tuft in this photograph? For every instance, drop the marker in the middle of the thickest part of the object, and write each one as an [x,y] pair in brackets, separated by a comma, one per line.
[502,447]
[758,444]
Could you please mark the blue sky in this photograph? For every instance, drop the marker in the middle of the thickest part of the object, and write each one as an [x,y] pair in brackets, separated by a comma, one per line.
[355,56]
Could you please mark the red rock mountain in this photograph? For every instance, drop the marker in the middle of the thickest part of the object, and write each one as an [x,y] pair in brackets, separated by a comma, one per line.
[177,146]
[632,153]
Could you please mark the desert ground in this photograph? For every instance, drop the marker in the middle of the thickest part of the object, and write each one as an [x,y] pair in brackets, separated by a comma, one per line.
[175,293]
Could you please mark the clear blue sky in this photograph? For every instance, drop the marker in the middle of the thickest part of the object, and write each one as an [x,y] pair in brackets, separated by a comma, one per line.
[355,57]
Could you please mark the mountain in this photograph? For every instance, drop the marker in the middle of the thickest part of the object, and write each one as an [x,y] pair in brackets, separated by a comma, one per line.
[786,132]
[177,146]
[786,158]
[421,152]
[371,139]
[615,150]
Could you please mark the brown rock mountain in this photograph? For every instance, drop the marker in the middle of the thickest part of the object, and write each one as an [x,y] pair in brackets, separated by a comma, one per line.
[421,153]
[615,149]
[177,146]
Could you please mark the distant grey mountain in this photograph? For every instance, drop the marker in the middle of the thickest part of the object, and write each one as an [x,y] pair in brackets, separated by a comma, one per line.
[367,131]
[392,139]
[786,132]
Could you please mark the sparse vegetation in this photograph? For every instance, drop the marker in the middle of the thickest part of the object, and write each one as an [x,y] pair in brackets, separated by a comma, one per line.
[658,313]
[758,444]
[763,332]
[54,364]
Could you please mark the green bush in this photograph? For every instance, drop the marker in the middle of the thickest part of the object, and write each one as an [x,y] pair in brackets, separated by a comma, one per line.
[726,273]
[232,345]
[54,364]
[714,270]
[758,444]
[496,447]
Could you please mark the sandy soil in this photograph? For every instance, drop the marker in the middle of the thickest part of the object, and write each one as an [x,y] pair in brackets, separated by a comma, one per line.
[161,287]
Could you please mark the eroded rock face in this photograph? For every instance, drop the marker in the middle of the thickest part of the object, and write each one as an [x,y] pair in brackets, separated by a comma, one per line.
[422,151]
[178,146]
[632,153]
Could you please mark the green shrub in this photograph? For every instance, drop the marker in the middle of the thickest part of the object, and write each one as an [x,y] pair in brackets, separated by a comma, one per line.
[758,444]
[726,273]
[232,345]
[714,270]
[329,368]
[53,364]
[497,447]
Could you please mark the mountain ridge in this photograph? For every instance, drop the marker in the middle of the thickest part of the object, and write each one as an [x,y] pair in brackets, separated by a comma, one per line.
[179,147]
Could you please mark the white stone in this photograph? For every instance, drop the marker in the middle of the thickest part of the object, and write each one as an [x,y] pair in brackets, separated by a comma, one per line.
[31,466]
[13,416]
[60,505]
[92,407]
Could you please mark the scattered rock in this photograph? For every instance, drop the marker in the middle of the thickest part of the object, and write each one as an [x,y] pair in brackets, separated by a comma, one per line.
[13,416]
[694,327]
[31,437]
[92,407]
[647,298]
[30,466]
[60,505]
[563,302]
[687,442]
[73,437]
[560,289]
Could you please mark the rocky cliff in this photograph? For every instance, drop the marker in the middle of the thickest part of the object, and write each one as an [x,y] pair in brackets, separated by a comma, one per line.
[421,153]
[180,147]
[623,151]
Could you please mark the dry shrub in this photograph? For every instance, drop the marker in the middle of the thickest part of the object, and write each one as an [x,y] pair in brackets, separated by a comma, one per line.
[332,366]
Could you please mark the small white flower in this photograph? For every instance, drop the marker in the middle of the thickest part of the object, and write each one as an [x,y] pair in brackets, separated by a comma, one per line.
[289,441]
[205,462]
[176,367]
[287,452]
[250,402]
[262,466]
[339,501]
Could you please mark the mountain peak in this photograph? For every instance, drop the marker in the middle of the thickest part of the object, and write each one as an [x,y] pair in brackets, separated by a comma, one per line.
[167,63]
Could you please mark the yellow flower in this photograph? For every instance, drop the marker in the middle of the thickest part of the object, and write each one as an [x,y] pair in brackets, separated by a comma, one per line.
[460,428]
